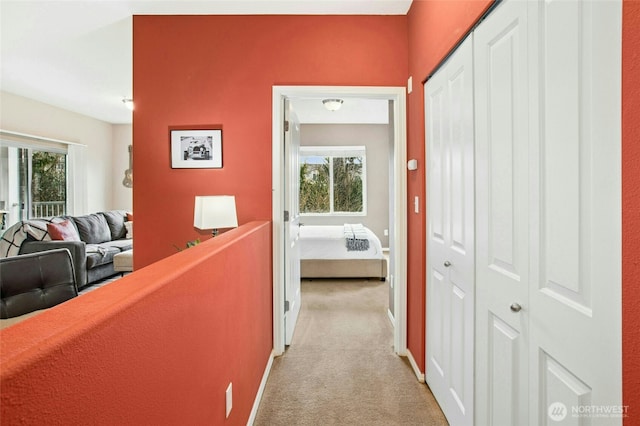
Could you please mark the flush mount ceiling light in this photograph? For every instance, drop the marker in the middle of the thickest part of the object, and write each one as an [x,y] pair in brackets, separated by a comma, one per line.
[128,102]
[332,104]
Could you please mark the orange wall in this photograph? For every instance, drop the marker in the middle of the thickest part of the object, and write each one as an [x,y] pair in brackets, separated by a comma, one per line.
[631,209]
[157,347]
[434,29]
[220,70]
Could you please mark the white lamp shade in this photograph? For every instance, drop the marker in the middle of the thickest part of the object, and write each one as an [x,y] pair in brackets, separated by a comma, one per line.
[215,211]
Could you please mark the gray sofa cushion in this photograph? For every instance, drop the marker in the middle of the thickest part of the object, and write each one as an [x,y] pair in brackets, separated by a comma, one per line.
[93,228]
[97,255]
[115,220]
[101,254]
[121,245]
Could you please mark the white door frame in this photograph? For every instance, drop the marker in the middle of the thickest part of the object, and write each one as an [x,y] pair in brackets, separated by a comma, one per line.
[396,94]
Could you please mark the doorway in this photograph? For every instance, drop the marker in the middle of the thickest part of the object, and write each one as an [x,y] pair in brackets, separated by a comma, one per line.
[397,230]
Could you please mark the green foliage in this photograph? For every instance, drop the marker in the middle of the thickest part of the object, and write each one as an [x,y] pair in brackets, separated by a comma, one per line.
[314,188]
[49,177]
[189,244]
[347,184]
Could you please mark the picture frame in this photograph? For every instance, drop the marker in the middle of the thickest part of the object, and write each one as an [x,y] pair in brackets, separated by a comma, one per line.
[196,148]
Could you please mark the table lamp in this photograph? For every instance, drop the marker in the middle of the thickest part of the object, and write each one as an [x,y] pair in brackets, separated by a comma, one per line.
[215,212]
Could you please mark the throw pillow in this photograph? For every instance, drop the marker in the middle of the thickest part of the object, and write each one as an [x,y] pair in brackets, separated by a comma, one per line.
[115,220]
[129,226]
[63,231]
[93,228]
[129,217]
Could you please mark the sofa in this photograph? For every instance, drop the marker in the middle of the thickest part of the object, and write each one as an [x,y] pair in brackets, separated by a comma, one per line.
[35,281]
[93,240]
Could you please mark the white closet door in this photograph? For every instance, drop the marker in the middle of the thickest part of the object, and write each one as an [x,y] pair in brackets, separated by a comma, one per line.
[575,293]
[450,251]
[502,216]
[548,213]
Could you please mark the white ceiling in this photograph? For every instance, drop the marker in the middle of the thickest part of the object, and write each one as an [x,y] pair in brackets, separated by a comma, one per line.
[77,55]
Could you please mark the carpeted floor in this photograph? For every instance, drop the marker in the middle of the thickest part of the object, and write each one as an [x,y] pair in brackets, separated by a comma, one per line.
[340,368]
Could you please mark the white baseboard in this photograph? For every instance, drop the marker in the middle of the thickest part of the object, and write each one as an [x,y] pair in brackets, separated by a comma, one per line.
[414,365]
[263,384]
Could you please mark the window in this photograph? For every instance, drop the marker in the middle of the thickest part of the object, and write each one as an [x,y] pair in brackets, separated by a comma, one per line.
[39,180]
[40,177]
[48,184]
[333,180]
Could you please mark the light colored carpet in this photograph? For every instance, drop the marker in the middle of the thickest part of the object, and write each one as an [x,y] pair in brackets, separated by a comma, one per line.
[340,368]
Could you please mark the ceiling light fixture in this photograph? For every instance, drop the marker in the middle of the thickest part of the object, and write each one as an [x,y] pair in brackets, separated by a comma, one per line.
[128,102]
[332,104]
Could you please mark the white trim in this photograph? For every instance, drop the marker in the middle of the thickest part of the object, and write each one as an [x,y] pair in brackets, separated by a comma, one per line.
[34,137]
[398,95]
[416,370]
[391,318]
[263,385]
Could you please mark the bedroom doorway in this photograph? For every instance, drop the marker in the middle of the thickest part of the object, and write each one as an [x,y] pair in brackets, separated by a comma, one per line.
[396,99]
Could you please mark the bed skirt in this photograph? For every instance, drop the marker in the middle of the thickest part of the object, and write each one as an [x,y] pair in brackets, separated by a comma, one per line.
[343,268]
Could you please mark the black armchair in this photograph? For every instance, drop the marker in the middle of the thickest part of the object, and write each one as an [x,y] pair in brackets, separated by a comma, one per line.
[35,281]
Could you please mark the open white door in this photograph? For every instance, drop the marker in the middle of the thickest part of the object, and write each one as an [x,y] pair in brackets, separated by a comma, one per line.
[291,221]
[399,231]
[450,236]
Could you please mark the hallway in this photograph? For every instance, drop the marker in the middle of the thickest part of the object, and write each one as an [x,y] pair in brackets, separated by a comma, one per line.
[340,368]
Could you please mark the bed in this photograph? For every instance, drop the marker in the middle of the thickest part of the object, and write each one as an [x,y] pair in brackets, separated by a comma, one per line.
[324,253]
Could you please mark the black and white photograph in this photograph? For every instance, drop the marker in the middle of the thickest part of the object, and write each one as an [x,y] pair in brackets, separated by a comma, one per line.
[196,149]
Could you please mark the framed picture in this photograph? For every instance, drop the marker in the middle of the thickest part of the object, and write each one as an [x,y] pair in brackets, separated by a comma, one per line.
[196,149]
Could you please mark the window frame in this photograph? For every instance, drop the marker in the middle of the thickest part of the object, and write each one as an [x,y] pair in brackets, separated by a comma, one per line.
[76,175]
[339,151]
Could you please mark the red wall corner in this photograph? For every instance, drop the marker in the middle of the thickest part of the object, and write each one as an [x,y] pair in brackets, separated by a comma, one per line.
[631,210]
[434,28]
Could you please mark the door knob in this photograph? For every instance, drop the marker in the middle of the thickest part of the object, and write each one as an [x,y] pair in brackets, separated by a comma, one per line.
[447,263]
[515,307]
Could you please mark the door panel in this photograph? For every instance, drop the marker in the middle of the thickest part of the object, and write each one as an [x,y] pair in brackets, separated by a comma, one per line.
[451,246]
[547,91]
[561,386]
[501,216]
[504,372]
[292,226]
[575,187]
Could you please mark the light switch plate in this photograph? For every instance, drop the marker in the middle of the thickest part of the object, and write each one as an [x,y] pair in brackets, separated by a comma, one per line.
[416,204]
[229,398]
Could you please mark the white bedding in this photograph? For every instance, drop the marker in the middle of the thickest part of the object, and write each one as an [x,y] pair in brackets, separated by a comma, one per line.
[328,242]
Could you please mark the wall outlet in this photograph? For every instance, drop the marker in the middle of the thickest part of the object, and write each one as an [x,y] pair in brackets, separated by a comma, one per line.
[229,398]
[386,232]
[416,204]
